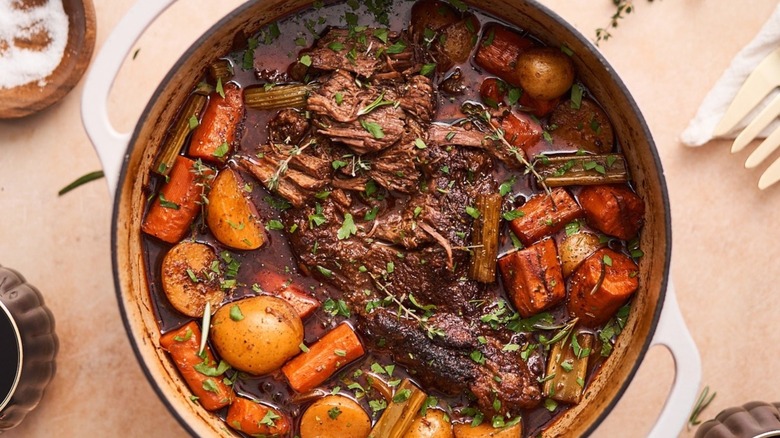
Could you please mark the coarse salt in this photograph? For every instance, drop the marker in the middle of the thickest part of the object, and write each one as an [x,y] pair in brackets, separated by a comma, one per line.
[32,41]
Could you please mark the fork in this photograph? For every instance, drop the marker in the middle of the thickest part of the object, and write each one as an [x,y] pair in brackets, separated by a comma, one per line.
[764,79]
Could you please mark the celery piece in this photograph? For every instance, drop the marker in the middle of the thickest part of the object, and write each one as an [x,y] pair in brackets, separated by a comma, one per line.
[567,366]
[178,134]
[567,170]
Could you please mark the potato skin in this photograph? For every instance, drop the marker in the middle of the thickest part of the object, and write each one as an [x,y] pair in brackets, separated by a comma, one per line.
[486,430]
[432,15]
[574,249]
[544,73]
[350,421]
[456,42]
[185,295]
[434,425]
[231,216]
[265,333]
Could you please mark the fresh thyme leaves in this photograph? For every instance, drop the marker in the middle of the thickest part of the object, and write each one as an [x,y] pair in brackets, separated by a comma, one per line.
[622,9]
[481,116]
[404,310]
[273,181]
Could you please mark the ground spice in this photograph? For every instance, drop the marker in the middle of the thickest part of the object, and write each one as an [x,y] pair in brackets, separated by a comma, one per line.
[33,36]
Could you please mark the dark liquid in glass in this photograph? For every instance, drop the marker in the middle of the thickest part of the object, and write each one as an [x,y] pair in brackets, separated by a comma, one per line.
[9,355]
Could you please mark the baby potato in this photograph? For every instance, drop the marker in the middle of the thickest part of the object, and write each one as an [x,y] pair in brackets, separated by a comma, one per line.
[544,73]
[257,335]
[574,249]
[187,278]
[434,424]
[335,416]
[586,127]
[231,216]
[486,430]
[432,15]
[457,41]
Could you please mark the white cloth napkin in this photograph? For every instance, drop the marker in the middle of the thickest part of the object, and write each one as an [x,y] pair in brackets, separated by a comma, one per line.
[700,129]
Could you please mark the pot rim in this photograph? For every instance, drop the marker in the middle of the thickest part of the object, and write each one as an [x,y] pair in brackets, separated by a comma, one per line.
[620,86]
[19,363]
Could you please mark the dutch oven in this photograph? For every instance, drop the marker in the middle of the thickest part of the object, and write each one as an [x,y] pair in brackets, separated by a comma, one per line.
[127,159]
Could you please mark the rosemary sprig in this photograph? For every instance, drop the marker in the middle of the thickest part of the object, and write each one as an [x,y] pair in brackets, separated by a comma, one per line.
[704,400]
[81,181]
[563,333]
[273,181]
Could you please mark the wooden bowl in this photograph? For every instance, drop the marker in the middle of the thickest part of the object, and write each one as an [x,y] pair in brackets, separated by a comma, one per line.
[30,98]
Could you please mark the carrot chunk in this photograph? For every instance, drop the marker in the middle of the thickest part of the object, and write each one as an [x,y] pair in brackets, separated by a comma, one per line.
[331,352]
[538,107]
[255,419]
[532,278]
[498,51]
[544,214]
[213,139]
[521,131]
[613,210]
[493,92]
[602,284]
[183,345]
[281,286]
[172,212]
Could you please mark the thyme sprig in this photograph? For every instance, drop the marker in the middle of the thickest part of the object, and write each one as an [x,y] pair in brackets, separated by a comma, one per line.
[273,181]
[622,8]
[430,330]
[481,116]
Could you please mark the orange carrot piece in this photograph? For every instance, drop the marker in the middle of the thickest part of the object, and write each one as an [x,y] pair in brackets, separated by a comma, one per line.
[498,51]
[183,345]
[602,284]
[532,278]
[538,107]
[521,131]
[172,212]
[213,139]
[334,350]
[493,92]
[281,286]
[254,419]
[613,210]
[545,214]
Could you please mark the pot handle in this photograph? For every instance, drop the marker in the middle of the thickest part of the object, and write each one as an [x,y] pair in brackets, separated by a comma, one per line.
[111,145]
[672,333]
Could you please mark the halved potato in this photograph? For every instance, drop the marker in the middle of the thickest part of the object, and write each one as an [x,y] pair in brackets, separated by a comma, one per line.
[575,248]
[434,424]
[486,430]
[188,280]
[335,416]
[231,216]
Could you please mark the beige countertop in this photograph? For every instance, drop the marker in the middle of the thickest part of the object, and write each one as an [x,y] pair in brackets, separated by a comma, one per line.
[726,256]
